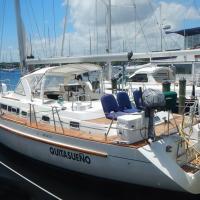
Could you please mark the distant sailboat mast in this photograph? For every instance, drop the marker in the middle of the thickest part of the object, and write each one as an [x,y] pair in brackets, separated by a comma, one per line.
[21,37]
[109,45]
[64,28]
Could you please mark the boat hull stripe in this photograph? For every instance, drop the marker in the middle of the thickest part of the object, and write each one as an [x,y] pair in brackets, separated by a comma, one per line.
[58,144]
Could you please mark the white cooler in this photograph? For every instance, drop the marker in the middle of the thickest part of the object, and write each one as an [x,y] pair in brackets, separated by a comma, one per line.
[131,128]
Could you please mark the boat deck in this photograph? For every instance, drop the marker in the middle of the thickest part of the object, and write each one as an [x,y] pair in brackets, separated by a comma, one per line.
[102,120]
[193,166]
[161,129]
[166,128]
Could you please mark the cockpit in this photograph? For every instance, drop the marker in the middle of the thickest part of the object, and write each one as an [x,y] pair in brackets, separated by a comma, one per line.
[67,83]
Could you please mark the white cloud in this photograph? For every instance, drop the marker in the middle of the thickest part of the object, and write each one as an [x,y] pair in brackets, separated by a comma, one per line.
[84,18]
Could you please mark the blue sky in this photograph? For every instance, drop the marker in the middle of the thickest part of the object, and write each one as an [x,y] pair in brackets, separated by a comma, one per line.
[29,14]
[32,13]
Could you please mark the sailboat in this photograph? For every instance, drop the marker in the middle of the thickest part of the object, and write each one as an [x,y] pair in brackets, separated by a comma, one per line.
[153,76]
[55,116]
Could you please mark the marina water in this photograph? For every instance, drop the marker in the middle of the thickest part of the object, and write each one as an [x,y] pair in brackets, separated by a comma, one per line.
[10,77]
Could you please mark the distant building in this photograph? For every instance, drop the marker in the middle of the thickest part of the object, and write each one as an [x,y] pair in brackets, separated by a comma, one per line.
[191,37]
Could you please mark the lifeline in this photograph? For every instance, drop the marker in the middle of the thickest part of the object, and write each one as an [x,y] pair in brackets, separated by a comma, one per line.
[80,157]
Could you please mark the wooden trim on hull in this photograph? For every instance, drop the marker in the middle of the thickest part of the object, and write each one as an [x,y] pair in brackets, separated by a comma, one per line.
[58,144]
[70,133]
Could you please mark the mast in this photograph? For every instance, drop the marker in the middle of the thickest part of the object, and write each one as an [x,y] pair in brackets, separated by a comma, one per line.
[109,26]
[161,27]
[64,28]
[96,29]
[21,36]
[135,16]
[109,48]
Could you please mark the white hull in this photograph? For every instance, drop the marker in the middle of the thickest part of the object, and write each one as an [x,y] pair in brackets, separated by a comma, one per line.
[111,161]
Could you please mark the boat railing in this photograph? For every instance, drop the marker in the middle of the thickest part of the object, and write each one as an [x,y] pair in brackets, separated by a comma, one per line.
[186,131]
[33,117]
[58,119]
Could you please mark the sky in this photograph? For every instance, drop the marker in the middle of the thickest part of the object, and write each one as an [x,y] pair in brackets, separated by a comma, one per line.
[136,26]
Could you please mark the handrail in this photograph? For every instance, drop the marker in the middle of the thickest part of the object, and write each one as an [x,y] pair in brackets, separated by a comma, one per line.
[35,115]
[59,120]
[54,122]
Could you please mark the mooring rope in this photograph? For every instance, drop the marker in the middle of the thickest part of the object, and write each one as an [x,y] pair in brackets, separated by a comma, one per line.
[31,182]
[183,133]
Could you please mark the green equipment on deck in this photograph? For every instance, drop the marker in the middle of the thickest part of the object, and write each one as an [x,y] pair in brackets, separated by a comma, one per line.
[170,98]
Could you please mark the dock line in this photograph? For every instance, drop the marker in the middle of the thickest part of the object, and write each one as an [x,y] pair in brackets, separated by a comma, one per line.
[28,180]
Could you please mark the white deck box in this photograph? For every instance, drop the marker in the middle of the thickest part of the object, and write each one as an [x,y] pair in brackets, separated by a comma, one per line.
[131,128]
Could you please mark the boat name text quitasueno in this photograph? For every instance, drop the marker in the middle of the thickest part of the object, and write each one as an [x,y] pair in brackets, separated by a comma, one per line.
[80,157]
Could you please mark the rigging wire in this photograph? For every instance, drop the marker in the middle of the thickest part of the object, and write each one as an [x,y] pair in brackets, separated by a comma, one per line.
[35,21]
[49,41]
[44,27]
[105,36]
[2,26]
[158,23]
[54,28]
[154,16]
[130,42]
[196,6]
[141,27]
[64,28]
[117,35]
[175,42]
[31,23]
[69,44]
[96,26]
[135,27]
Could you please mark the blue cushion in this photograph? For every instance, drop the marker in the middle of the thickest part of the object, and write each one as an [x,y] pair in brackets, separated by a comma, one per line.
[109,103]
[131,110]
[111,108]
[114,115]
[123,101]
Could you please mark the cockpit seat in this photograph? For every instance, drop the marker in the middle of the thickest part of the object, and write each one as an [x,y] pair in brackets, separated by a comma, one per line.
[125,103]
[110,107]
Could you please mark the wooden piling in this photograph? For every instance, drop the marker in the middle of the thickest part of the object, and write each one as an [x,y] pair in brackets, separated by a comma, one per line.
[182,91]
